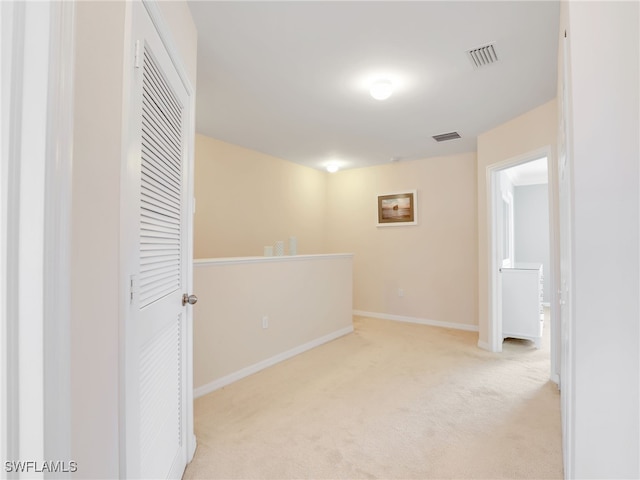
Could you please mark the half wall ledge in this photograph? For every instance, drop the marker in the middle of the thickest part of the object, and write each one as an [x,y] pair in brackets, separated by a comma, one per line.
[260,259]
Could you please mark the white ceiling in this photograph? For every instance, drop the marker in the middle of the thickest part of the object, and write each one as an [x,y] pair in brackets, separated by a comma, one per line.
[290,78]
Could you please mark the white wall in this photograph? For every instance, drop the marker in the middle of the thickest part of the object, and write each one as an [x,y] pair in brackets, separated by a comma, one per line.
[531,228]
[604,120]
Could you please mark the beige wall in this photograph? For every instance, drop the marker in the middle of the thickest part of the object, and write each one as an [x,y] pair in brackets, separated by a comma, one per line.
[434,262]
[440,264]
[97,150]
[307,299]
[246,200]
[527,133]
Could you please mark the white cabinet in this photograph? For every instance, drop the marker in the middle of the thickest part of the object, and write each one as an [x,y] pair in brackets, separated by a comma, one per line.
[522,314]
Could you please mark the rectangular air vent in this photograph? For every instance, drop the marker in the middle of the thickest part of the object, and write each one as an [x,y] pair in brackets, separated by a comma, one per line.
[483,56]
[446,136]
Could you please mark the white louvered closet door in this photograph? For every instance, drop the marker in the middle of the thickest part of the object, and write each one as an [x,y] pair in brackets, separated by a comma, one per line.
[162,261]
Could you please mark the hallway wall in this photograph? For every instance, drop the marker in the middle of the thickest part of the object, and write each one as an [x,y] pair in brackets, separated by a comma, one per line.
[433,263]
[246,200]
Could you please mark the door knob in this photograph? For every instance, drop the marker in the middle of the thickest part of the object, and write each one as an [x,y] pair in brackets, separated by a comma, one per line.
[190,299]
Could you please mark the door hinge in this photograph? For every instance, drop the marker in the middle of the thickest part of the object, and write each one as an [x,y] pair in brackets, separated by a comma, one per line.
[136,62]
[133,287]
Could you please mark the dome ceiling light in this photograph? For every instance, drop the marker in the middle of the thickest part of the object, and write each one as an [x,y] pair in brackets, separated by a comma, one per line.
[381,89]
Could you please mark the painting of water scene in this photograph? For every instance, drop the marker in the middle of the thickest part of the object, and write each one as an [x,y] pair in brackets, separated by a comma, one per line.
[397,209]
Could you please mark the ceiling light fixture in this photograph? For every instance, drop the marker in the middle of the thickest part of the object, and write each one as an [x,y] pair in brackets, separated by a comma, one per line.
[332,168]
[381,89]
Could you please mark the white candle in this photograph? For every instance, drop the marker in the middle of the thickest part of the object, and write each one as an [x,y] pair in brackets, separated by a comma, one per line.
[293,246]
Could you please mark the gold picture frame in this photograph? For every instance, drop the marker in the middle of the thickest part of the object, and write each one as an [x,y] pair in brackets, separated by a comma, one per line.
[398,209]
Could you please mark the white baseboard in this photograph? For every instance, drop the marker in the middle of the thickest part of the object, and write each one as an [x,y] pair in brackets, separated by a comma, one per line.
[421,321]
[484,346]
[193,444]
[256,367]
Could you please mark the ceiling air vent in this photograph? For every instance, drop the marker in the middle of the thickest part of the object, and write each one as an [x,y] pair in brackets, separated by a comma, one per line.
[446,136]
[483,56]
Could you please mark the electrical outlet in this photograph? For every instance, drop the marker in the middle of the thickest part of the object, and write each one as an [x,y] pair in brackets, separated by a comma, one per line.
[401,292]
[265,322]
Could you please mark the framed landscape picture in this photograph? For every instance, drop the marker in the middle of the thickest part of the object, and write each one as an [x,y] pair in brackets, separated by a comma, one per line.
[395,209]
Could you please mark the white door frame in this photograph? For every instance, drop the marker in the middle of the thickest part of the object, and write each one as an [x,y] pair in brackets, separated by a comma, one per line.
[127,339]
[565,258]
[57,257]
[494,290]
[35,208]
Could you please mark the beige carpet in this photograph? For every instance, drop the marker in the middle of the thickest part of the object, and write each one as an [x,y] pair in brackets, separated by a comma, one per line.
[390,401]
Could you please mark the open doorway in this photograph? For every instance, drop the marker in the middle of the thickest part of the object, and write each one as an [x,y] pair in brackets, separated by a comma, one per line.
[522,262]
[531,239]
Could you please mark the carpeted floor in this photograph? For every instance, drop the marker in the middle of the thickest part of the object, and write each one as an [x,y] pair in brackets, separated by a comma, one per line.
[390,401]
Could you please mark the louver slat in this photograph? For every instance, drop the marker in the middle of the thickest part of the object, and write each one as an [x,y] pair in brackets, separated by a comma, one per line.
[166,137]
[154,180]
[167,94]
[161,224]
[162,98]
[160,367]
[161,187]
[156,159]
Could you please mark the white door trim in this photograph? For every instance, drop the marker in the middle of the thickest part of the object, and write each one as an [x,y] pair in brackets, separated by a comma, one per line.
[37,95]
[495,323]
[565,288]
[554,265]
[169,45]
[57,254]
[11,14]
